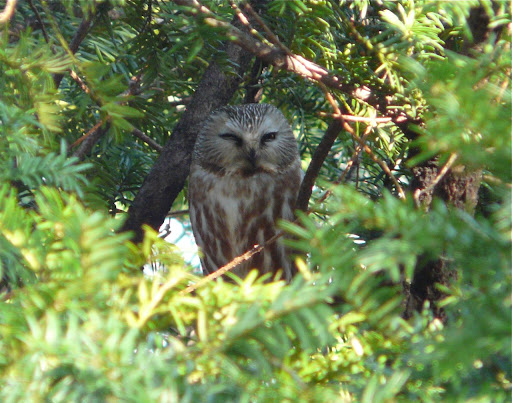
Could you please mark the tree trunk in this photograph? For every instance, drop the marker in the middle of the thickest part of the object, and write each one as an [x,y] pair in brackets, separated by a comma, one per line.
[458,188]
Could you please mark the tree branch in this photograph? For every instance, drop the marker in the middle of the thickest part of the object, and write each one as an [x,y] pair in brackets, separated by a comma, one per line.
[89,140]
[317,160]
[150,142]
[77,39]
[167,177]
[272,55]
[278,56]
[40,20]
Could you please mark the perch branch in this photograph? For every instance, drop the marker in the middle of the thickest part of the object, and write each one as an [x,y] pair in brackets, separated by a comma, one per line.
[231,265]
[170,171]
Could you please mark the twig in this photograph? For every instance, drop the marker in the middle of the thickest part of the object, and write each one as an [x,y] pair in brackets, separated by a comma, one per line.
[342,177]
[40,20]
[80,82]
[147,20]
[78,141]
[442,172]
[367,149]
[8,11]
[72,73]
[272,55]
[231,265]
[245,21]
[271,36]
[88,141]
[364,119]
[132,88]
[355,154]
[385,168]
[176,213]
[152,143]
[77,39]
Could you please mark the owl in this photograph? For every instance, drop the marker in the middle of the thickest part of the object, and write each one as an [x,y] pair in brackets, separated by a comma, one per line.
[245,176]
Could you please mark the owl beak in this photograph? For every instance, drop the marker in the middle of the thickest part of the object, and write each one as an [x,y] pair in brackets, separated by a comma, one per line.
[251,157]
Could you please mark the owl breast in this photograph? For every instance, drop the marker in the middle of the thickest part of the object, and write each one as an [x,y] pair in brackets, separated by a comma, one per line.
[232,213]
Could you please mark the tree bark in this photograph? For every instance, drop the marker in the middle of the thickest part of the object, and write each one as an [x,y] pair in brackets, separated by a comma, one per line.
[167,177]
[458,187]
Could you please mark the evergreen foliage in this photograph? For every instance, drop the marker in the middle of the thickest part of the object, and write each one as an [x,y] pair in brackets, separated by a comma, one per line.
[78,320]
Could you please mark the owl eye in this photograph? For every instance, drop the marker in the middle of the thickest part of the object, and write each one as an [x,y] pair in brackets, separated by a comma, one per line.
[231,137]
[268,137]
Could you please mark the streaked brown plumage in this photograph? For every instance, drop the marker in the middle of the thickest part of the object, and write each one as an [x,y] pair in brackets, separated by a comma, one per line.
[245,176]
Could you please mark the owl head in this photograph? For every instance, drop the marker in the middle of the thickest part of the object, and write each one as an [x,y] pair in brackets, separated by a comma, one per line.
[246,140]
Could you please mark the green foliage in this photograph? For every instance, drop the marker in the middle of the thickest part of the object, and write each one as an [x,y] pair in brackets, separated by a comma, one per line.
[79,322]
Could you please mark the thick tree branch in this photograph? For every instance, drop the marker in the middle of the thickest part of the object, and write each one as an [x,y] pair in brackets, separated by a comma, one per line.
[317,161]
[167,177]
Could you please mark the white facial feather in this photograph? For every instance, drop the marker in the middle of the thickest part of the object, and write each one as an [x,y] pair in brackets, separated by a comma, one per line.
[248,139]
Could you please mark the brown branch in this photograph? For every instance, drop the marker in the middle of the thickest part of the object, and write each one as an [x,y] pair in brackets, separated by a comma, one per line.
[317,160]
[232,264]
[271,36]
[169,173]
[355,155]
[81,84]
[89,140]
[275,56]
[8,12]
[77,39]
[40,20]
[365,119]
[152,143]
[86,135]
[342,177]
[367,149]
[95,134]
[72,73]
[385,168]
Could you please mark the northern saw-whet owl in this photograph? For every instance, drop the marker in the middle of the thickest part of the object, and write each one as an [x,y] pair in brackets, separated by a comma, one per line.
[245,176]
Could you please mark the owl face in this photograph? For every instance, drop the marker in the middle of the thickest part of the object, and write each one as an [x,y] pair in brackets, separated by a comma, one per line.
[246,140]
